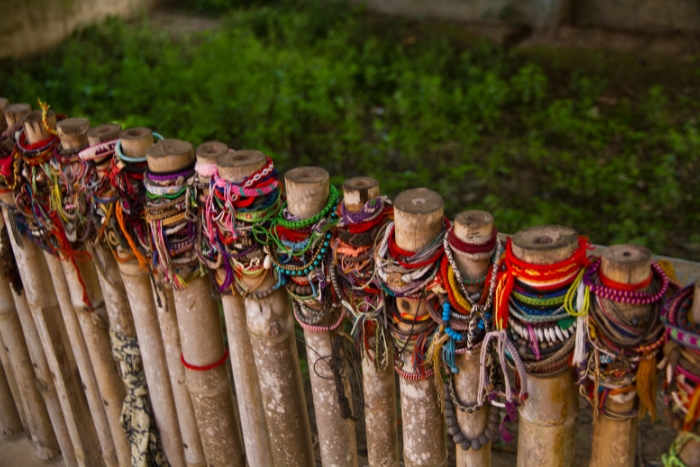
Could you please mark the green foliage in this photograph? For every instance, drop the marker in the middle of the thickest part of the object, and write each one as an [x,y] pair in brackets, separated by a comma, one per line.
[313,83]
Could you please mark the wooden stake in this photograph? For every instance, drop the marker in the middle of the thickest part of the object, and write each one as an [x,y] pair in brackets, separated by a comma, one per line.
[202,341]
[417,221]
[627,264]
[34,126]
[10,422]
[134,142]
[548,417]
[379,387]
[475,227]
[271,332]
[82,358]
[12,382]
[19,362]
[41,300]
[234,167]
[167,318]
[137,286]
[690,453]
[308,189]
[97,312]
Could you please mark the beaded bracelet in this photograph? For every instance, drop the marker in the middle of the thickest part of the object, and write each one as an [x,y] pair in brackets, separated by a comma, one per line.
[626,296]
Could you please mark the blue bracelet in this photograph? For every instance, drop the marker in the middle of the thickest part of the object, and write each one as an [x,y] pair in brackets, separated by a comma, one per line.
[120,154]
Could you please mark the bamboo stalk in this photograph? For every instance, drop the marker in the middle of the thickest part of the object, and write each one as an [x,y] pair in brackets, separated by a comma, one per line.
[82,358]
[202,341]
[417,221]
[12,383]
[379,386]
[234,167]
[627,264]
[548,417]
[474,227]
[10,423]
[41,300]
[270,327]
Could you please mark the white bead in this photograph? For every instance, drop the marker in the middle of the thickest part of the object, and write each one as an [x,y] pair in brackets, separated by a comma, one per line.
[267,264]
[540,334]
[559,334]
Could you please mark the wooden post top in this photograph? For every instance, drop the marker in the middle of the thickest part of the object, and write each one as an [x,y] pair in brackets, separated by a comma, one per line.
[545,244]
[15,112]
[170,155]
[73,133]
[628,264]
[417,218]
[135,141]
[208,152]
[235,166]
[307,191]
[474,227]
[34,127]
[358,190]
[104,132]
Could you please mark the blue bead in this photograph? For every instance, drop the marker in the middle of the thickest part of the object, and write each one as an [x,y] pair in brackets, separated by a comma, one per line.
[480,325]
[323,249]
[316,262]
[326,243]
[454,369]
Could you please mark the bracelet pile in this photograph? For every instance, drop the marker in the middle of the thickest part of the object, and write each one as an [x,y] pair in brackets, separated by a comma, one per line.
[234,220]
[622,362]
[412,277]
[681,363]
[127,176]
[299,250]
[354,276]
[544,308]
[172,212]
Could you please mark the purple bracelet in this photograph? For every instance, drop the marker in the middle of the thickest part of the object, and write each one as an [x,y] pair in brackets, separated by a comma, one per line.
[625,296]
[370,210]
[156,177]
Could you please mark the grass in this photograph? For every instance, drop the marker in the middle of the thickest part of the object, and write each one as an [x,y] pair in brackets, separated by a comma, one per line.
[602,142]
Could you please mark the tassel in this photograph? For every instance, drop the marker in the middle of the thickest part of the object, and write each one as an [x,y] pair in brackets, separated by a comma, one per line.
[433,358]
[646,386]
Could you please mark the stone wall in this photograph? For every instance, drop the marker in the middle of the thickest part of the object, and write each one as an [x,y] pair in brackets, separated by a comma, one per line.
[30,26]
[645,16]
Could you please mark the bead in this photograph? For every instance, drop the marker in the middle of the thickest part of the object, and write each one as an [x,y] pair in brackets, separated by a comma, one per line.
[454,430]
[449,413]
[466,444]
[451,421]
[458,438]
[483,439]
[476,444]
[490,434]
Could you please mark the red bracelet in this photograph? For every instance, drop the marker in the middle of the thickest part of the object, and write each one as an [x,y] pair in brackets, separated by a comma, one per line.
[189,366]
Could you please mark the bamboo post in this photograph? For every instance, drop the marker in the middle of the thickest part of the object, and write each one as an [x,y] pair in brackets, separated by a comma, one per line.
[12,383]
[234,167]
[417,221]
[379,387]
[271,331]
[308,189]
[690,453]
[42,302]
[10,423]
[167,318]
[548,417]
[475,227]
[90,306]
[82,359]
[31,375]
[134,143]
[137,286]
[626,264]
[202,341]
